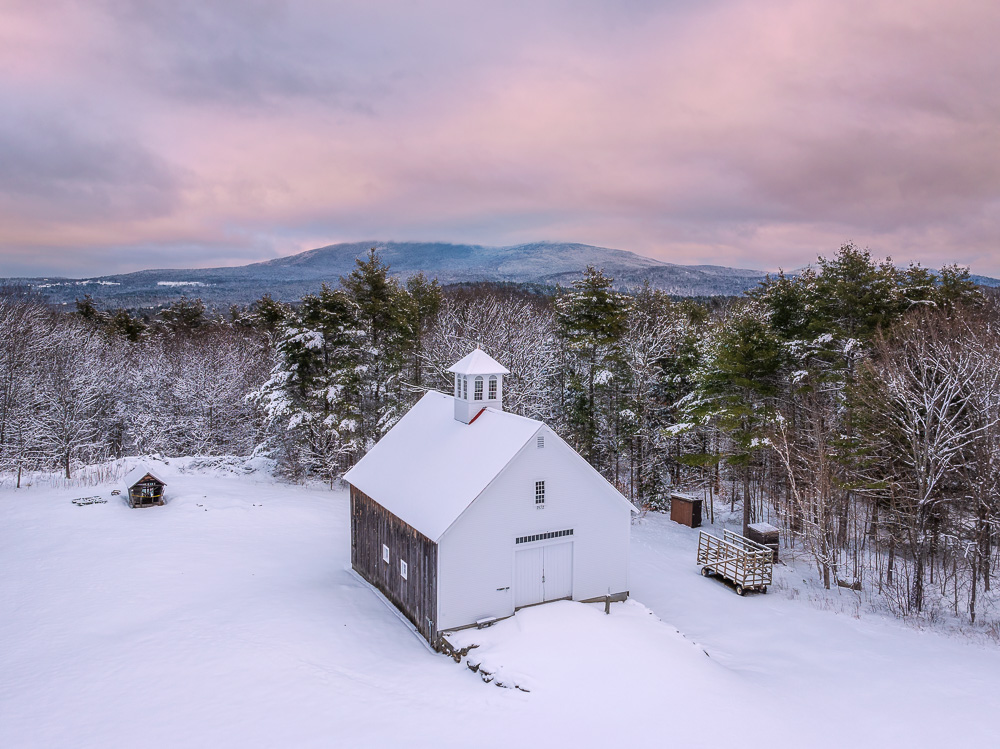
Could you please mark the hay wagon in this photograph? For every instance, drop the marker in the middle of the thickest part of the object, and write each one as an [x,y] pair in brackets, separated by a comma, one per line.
[745,563]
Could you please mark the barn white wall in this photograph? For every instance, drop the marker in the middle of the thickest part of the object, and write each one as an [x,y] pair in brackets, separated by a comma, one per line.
[476,555]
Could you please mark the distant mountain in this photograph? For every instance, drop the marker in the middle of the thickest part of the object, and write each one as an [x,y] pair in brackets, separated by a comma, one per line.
[289,278]
[985,281]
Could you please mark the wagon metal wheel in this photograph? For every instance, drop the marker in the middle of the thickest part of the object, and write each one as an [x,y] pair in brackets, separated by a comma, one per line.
[740,590]
[706,571]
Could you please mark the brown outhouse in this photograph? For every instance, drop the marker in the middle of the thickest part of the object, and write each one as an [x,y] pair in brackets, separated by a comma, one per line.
[685,509]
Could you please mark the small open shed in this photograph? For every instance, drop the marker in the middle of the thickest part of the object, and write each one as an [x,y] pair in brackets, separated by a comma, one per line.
[145,488]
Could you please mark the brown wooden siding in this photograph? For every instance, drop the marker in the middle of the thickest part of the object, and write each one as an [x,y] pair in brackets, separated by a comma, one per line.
[371,526]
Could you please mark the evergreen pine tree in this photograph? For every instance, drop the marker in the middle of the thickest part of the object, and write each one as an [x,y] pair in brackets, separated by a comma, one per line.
[310,400]
[427,299]
[385,314]
[592,319]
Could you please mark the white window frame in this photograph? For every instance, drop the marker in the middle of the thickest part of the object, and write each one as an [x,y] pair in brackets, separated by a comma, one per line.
[403,569]
[540,494]
[477,389]
[493,388]
[541,441]
[465,388]
[385,553]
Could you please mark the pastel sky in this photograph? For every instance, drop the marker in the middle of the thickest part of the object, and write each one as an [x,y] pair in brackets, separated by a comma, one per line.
[754,133]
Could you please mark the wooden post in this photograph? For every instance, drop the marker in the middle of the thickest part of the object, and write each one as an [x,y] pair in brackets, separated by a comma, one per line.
[607,604]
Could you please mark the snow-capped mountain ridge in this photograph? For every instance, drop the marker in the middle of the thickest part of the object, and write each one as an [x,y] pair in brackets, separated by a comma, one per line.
[289,278]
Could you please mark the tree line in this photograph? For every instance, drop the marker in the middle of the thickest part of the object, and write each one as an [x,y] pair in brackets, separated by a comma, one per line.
[82,388]
[856,405]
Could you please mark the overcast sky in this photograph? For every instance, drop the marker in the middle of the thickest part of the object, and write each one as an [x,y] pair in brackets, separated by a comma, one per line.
[756,134]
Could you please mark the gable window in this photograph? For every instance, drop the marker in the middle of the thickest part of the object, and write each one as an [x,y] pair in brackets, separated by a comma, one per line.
[541,441]
[493,388]
[478,392]
[402,569]
[385,553]
[539,494]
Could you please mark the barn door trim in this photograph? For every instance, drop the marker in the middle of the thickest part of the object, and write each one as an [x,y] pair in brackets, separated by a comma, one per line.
[543,536]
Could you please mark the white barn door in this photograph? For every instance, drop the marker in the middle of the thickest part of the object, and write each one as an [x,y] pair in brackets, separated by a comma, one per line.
[543,573]
[528,566]
[557,571]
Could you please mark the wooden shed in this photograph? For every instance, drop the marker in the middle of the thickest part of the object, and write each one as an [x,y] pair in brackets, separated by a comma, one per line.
[685,509]
[463,513]
[765,534]
[144,487]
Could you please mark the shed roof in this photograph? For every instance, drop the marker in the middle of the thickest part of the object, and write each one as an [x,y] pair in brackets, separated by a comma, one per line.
[430,467]
[136,475]
[478,363]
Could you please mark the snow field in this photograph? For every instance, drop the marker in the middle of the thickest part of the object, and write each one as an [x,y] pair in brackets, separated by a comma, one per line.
[622,668]
[838,678]
[229,617]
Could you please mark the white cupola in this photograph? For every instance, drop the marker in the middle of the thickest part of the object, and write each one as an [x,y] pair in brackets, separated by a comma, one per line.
[478,385]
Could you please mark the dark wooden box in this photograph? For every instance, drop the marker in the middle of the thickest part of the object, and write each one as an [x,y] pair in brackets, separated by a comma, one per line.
[766,534]
[685,509]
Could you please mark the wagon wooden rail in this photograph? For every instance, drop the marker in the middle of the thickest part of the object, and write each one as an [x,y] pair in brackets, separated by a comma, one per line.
[745,563]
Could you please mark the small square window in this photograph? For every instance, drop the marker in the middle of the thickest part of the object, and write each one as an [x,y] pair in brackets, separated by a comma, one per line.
[402,569]
[539,493]
[541,441]
[385,553]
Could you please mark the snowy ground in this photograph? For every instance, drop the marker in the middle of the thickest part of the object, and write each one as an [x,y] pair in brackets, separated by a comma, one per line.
[230,617]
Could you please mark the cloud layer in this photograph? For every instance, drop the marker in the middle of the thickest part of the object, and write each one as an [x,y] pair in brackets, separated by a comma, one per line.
[757,133]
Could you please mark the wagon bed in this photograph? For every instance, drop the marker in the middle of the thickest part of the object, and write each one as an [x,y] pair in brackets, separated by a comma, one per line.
[745,563]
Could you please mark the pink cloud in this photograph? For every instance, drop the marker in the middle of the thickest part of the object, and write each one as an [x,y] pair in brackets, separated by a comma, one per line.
[755,134]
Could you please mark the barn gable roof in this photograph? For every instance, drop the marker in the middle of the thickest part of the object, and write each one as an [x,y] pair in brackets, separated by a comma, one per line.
[430,467]
[136,475]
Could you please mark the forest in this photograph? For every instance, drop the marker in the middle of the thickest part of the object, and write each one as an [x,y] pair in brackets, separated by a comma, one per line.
[856,405]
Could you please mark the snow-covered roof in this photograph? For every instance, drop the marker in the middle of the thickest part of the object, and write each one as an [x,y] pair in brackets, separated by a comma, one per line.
[478,363]
[136,475]
[683,495]
[430,466]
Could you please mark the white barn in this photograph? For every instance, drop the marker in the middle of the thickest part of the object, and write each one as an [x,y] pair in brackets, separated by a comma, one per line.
[463,512]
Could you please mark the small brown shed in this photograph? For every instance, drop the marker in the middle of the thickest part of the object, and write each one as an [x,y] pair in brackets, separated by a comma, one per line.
[685,509]
[145,488]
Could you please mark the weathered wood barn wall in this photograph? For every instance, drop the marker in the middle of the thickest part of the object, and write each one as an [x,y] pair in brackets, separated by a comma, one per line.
[416,595]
